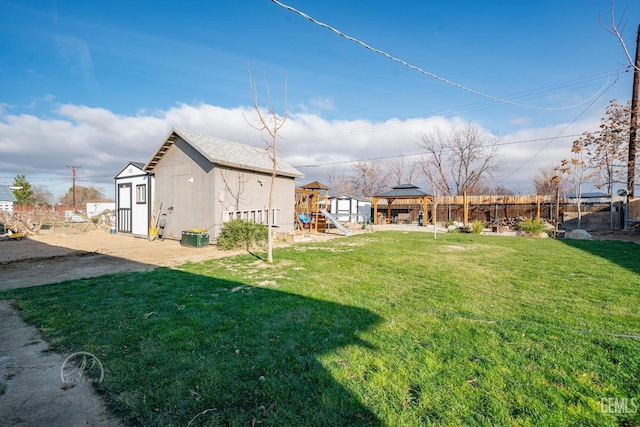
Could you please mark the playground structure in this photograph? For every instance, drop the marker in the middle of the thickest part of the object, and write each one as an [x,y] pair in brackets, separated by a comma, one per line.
[311,203]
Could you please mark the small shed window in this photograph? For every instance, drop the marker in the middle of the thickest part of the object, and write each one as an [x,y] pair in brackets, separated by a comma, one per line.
[141,193]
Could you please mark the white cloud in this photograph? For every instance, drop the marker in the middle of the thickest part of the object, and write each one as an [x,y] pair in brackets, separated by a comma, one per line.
[102,142]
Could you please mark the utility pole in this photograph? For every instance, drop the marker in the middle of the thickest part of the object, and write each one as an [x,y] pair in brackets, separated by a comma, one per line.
[73,180]
[633,127]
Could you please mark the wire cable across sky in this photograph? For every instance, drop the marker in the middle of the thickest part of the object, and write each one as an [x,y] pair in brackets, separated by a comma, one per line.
[430,74]
[544,147]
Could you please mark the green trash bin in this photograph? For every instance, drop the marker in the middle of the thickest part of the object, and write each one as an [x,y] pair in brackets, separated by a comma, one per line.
[194,238]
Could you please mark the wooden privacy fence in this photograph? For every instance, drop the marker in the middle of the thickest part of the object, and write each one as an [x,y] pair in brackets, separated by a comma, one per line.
[490,208]
[497,200]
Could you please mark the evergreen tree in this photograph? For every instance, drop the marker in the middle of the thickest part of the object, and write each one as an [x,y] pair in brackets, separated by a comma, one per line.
[22,191]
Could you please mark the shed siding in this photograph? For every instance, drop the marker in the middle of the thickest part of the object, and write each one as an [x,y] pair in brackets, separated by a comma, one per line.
[201,192]
[140,210]
[247,191]
[183,182]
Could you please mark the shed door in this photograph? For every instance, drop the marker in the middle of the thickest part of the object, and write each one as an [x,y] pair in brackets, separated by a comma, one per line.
[124,207]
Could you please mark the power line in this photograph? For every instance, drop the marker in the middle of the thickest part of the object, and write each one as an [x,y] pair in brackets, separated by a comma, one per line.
[558,135]
[427,73]
[370,159]
[477,106]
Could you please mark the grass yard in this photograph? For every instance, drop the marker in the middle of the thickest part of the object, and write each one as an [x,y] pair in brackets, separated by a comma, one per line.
[384,328]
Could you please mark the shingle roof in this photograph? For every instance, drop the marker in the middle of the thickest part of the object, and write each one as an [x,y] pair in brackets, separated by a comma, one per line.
[223,152]
[403,190]
[315,185]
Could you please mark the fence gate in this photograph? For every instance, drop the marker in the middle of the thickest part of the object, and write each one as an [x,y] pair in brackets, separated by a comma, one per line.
[124,207]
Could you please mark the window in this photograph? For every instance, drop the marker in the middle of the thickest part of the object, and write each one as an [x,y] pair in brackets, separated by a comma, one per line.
[141,193]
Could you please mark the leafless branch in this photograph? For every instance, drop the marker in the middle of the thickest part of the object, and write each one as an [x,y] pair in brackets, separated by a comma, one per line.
[271,122]
[458,160]
[616,30]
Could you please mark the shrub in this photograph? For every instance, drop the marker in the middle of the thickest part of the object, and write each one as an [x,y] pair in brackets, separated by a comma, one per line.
[531,227]
[239,233]
[476,227]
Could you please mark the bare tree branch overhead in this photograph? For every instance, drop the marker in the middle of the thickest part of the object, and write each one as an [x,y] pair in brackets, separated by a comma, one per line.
[616,29]
[459,160]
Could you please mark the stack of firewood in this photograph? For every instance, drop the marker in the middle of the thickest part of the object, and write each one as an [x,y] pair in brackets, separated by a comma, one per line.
[512,223]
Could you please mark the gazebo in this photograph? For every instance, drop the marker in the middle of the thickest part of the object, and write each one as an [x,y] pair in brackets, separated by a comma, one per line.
[402,191]
[315,185]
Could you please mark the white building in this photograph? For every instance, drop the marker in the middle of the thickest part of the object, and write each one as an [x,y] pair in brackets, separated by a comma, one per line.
[6,200]
[133,200]
[350,209]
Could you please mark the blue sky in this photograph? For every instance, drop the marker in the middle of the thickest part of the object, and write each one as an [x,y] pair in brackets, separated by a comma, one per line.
[99,84]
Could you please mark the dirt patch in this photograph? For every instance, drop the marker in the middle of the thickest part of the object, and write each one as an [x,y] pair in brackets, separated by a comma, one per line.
[625,236]
[56,257]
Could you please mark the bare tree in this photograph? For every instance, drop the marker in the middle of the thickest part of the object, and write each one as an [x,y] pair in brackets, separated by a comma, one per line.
[269,124]
[482,188]
[548,179]
[606,150]
[435,163]
[339,182]
[633,123]
[458,160]
[502,190]
[42,195]
[577,169]
[402,171]
[84,195]
[616,30]
[369,179]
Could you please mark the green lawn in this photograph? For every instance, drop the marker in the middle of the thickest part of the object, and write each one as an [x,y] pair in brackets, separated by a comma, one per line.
[383,328]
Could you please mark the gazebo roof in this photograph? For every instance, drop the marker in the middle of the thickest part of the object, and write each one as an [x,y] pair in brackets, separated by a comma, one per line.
[403,191]
[315,185]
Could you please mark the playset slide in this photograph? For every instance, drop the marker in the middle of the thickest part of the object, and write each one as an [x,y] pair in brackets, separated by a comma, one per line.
[335,222]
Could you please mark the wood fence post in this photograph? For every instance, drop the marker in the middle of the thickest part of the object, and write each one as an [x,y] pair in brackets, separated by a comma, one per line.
[557,207]
[465,208]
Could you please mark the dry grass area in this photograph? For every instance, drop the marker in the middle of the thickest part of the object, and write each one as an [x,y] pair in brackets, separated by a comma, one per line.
[67,254]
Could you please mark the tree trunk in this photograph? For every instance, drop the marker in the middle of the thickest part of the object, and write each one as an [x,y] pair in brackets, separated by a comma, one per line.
[270,213]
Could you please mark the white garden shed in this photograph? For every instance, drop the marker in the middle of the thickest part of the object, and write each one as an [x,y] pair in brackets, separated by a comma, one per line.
[134,189]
